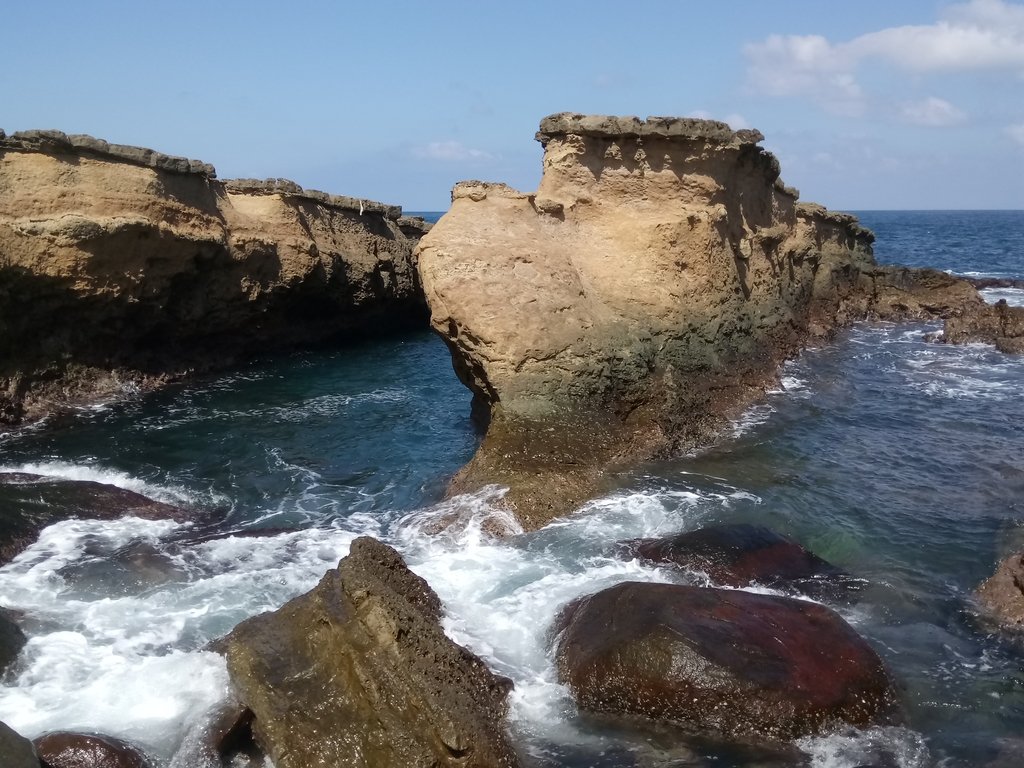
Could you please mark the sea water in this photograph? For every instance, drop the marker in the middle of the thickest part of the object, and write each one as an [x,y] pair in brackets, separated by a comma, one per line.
[900,460]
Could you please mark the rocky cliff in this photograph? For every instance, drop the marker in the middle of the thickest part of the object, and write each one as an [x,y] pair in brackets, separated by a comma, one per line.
[646,291]
[120,266]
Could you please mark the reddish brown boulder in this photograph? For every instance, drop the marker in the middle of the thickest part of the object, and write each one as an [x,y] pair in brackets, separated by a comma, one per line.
[736,662]
[742,554]
[88,750]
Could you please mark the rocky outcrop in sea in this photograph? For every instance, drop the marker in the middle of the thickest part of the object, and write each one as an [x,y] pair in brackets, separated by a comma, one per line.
[647,290]
[121,267]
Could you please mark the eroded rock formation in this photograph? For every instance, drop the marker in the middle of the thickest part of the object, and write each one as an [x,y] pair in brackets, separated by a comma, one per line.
[1001,597]
[121,266]
[732,661]
[998,324]
[647,290]
[358,672]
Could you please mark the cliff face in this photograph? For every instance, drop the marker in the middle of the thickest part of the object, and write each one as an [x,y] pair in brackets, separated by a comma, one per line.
[122,265]
[647,289]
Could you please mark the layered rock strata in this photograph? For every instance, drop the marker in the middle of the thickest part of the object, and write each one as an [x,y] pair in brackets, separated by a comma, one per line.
[121,266]
[358,672]
[646,291]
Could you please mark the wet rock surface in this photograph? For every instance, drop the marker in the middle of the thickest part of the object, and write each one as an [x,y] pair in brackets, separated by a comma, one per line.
[998,324]
[1001,597]
[87,750]
[31,502]
[735,662]
[12,640]
[15,750]
[358,672]
[740,555]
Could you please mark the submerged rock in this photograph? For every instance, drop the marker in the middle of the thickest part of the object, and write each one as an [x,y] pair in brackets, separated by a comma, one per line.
[646,292]
[88,750]
[358,672]
[1001,597]
[741,554]
[15,750]
[998,324]
[122,268]
[32,502]
[736,662]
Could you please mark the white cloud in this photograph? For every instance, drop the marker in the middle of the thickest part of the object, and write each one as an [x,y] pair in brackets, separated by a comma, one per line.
[1016,132]
[932,111]
[451,151]
[973,36]
[735,120]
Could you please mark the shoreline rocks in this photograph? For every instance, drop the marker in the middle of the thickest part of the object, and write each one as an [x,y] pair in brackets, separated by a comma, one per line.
[1001,597]
[15,750]
[644,294]
[66,749]
[735,662]
[122,268]
[358,672]
[998,324]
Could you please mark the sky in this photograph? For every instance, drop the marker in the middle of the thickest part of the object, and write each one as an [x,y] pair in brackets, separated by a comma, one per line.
[913,104]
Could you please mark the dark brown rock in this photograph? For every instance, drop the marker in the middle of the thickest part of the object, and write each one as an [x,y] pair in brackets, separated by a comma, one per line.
[15,750]
[735,662]
[742,554]
[1001,597]
[358,672]
[12,640]
[998,324]
[32,502]
[88,750]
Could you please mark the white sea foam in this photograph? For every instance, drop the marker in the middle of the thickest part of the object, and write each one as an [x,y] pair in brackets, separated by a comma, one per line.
[1013,296]
[854,748]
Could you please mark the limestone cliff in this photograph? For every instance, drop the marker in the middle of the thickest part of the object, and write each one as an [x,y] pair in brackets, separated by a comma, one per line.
[647,289]
[120,266]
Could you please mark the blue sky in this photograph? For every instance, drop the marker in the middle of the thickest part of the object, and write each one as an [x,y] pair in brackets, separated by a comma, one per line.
[908,104]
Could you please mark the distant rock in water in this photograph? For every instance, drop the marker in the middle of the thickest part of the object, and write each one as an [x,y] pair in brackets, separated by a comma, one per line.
[12,640]
[121,267]
[358,672]
[88,750]
[643,294]
[741,554]
[998,324]
[732,661]
[1001,597]
[30,503]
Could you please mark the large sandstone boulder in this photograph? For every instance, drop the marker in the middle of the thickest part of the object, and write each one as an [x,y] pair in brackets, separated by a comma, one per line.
[736,662]
[645,292]
[120,266]
[1001,597]
[31,502]
[740,555]
[358,672]
[998,324]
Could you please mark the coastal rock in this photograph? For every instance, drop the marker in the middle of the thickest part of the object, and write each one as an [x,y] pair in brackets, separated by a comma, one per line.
[998,324]
[32,502]
[121,268]
[12,640]
[740,555]
[88,750]
[15,750]
[358,672]
[735,662]
[1001,597]
[646,292]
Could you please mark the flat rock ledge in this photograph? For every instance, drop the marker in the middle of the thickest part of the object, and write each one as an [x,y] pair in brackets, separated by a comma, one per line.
[358,672]
[645,294]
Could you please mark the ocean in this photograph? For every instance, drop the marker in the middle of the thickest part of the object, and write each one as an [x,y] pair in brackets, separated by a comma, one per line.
[900,460]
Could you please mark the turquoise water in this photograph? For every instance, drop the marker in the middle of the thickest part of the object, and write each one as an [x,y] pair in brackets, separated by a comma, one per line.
[899,460]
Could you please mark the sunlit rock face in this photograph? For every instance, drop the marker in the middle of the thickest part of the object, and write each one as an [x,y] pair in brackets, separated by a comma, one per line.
[650,285]
[120,265]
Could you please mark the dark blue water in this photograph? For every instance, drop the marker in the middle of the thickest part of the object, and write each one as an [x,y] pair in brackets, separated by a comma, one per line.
[899,460]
